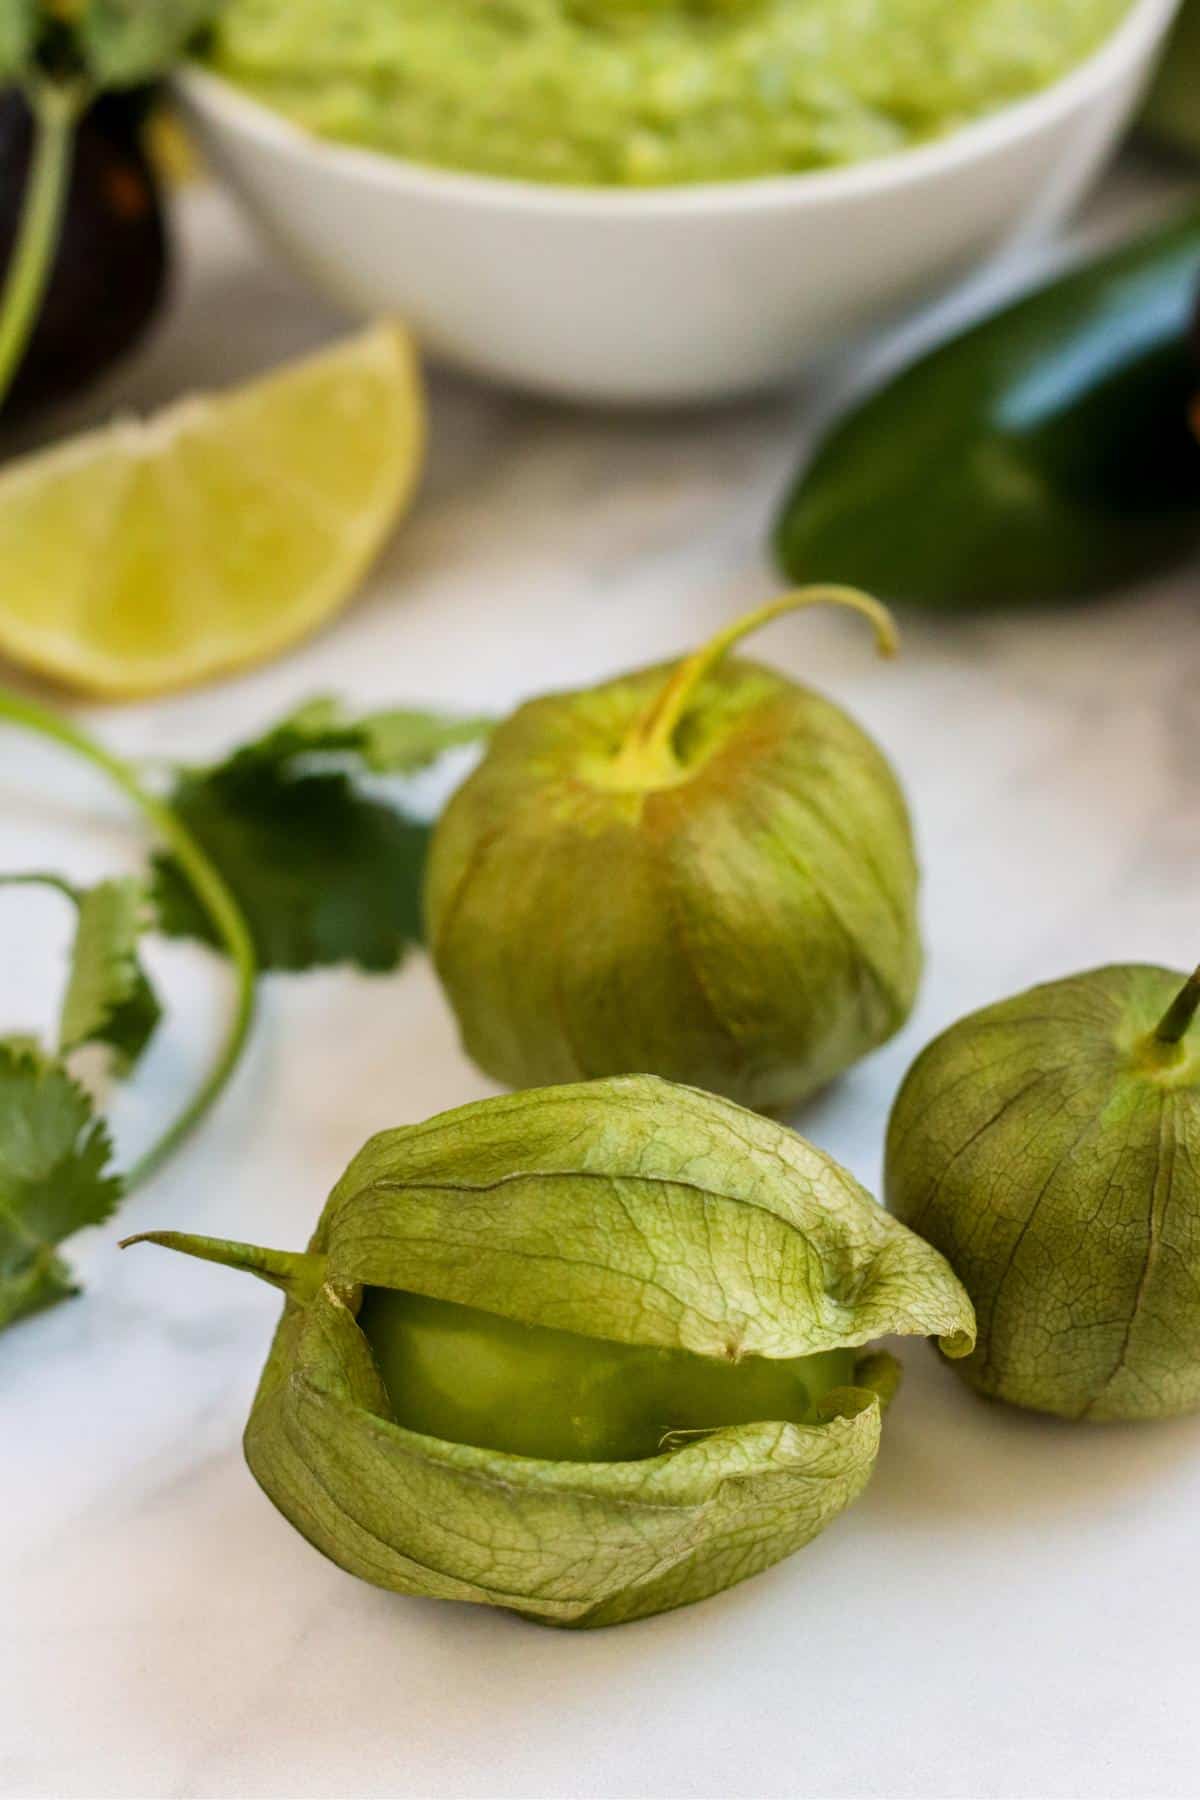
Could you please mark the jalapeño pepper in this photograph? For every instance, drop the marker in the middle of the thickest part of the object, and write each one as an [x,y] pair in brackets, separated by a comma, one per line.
[1043,453]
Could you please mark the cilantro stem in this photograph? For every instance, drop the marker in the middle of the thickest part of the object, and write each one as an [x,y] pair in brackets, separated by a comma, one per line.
[39,878]
[56,108]
[210,889]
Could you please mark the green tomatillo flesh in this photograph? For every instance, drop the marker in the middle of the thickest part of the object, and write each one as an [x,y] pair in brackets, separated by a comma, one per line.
[1049,1146]
[588,1352]
[703,871]
[472,1377]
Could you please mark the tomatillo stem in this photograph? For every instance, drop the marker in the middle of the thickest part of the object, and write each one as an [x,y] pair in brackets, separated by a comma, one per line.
[652,739]
[210,889]
[299,1273]
[56,108]
[1178,1017]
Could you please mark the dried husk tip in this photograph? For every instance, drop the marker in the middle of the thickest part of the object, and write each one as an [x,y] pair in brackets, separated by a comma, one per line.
[297,1273]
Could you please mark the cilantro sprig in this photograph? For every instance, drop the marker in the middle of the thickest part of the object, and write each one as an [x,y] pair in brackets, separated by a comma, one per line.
[54,1152]
[54,1177]
[211,894]
[282,856]
[63,54]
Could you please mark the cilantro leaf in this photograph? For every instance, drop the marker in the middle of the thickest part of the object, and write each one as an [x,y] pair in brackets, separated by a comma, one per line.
[126,42]
[399,742]
[320,874]
[54,1155]
[109,999]
[323,871]
[18,35]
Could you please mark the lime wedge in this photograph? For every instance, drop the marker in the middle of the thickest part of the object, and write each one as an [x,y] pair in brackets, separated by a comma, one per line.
[157,553]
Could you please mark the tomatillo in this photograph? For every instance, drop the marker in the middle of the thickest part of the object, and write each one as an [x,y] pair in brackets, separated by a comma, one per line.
[589,1352]
[1050,1147]
[704,871]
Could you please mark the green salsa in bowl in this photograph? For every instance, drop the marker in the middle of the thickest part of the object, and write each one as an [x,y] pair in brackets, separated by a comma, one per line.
[647,202]
[644,93]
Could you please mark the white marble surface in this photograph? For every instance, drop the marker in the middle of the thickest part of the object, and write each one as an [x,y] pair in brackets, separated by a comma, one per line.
[1009,1612]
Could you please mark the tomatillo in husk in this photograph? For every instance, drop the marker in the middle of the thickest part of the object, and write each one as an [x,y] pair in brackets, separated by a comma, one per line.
[702,871]
[1050,1147]
[588,1353]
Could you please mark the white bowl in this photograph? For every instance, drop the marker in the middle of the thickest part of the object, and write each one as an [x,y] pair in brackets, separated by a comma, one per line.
[663,295]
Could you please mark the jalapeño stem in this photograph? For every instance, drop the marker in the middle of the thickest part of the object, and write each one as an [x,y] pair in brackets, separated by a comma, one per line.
[299,1273]
[650,745]
[210,889]
[1178,1017]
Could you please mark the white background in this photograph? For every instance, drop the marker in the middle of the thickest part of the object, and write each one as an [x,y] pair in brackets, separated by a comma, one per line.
[1011,1611]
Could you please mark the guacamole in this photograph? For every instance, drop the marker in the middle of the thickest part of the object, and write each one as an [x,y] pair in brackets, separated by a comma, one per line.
[646,92]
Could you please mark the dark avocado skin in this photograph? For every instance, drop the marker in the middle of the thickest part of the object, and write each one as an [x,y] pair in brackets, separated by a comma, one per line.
[1043,454]
[110,268]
